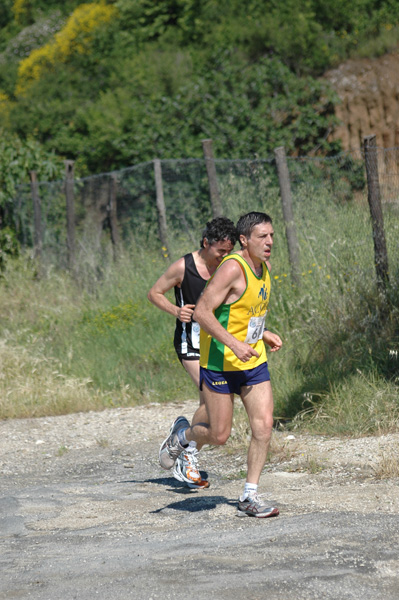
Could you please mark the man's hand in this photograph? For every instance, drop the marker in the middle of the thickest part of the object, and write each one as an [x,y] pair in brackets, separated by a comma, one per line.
[273,340]
[185,313]
[243,351]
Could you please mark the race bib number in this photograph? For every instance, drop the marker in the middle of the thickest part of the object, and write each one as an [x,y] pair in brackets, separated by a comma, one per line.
[255,329]
[195,335]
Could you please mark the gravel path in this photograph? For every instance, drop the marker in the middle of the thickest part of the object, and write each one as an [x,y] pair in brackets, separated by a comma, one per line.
[86,511]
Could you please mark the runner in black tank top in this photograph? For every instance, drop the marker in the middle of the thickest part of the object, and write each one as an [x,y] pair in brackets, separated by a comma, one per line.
[186,340]
[188,277]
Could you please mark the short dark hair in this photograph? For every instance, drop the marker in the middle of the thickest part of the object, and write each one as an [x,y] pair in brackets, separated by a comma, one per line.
[219,229]
[246,223]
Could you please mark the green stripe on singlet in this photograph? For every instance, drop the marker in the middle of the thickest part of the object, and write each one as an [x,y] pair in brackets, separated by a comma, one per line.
[216,349]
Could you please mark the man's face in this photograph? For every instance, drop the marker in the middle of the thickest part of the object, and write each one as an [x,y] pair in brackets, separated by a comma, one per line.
[217,251]
[260,242]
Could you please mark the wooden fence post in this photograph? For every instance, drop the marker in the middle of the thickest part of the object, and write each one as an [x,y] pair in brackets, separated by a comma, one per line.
[113,220]
[288,215]
[162,226]
[37,216]
[70,210]
[374,200]
[212,178]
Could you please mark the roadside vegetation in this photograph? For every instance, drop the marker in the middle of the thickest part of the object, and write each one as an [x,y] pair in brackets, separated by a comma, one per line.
[66,347]
[114,83]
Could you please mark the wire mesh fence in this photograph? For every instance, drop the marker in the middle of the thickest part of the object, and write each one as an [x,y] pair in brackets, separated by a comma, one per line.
[329,203]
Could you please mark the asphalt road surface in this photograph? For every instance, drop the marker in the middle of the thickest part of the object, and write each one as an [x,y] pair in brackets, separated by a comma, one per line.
[102,520]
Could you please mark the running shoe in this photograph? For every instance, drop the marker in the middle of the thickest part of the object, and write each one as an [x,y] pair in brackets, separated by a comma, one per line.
[186,469]
[253,506]
[171,448]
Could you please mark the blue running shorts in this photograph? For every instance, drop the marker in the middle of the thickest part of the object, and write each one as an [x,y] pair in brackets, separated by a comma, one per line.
[230,382]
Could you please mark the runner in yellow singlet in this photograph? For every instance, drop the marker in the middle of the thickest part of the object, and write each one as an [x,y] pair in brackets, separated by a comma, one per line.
[231,314]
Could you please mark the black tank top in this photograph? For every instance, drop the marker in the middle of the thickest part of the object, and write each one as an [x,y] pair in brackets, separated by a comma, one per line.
[186,341]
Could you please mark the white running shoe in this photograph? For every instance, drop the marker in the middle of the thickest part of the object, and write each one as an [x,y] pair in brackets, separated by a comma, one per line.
[171,448]
[186,469]
[253,506]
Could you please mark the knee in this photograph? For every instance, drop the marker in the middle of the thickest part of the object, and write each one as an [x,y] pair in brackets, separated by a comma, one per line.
[219,438]
[262,429]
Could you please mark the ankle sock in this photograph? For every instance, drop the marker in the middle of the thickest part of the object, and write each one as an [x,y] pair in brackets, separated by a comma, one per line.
[181,436]
[249,488]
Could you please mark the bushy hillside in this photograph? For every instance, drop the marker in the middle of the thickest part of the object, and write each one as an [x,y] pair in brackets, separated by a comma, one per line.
[115,82]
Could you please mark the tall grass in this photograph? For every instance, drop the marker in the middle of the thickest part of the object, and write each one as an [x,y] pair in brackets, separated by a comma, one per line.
[69,346]
[362,403]
[111,343]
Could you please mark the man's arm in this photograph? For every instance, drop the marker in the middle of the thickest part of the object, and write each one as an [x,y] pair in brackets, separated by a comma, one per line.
[172,276]
[227,282]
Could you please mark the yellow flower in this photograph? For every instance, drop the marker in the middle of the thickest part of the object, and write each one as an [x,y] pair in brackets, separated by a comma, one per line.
[74,38]
[276,277]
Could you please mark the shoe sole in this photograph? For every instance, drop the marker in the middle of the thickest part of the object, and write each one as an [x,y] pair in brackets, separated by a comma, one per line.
[203,484]
[273,513]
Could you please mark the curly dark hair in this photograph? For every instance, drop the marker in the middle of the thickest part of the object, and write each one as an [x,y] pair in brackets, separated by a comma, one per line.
[219,229]
[246,223]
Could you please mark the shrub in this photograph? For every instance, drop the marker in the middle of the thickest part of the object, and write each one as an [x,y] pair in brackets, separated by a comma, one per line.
[74,38]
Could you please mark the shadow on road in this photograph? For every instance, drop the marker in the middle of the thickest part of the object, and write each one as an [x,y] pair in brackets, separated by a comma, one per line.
[197,504]
[171,482]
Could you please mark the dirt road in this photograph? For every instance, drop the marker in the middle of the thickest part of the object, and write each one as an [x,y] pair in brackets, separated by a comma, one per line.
[86,512]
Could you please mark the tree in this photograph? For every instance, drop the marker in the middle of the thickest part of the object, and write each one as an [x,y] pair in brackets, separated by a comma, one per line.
[17,159]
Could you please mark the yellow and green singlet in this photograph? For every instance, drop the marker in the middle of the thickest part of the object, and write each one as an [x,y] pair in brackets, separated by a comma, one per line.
[243,318]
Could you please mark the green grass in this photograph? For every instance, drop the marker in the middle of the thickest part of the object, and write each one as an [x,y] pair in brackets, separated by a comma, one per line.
[362,402]
[68,345]
[65,349]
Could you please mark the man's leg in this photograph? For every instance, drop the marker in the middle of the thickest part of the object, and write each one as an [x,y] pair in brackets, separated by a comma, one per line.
[186,468]
[192,368]
[258,402]
[200,415]
[216,428]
